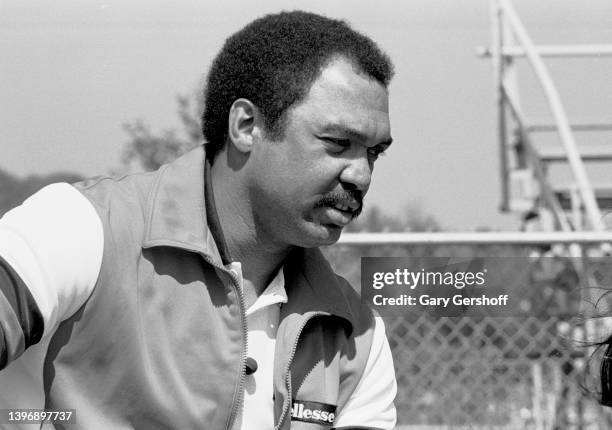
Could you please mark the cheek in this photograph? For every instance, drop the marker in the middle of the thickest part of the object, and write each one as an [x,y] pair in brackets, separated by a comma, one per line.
[295,174]
[291,195]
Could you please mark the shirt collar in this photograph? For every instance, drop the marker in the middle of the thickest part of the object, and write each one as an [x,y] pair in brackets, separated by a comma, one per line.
[273,294]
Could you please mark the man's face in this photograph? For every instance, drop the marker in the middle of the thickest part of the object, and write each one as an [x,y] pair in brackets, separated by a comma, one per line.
[305,187]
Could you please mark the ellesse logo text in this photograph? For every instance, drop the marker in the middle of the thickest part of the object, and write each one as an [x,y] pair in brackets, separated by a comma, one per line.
[313,412]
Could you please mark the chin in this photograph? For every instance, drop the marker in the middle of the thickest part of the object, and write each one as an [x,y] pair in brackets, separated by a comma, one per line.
[321,235]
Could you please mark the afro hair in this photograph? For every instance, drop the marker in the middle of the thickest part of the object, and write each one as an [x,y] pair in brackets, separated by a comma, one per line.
[273,62]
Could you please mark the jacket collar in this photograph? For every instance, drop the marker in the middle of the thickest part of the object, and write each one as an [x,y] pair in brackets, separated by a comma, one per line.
[176,211]
[176,217]
[312,285]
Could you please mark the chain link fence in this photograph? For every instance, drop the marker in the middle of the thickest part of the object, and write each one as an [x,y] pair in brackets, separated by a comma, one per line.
[491,373]
[523,372]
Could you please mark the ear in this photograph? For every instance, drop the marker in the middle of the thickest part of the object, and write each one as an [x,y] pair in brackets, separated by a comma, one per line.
[242,122]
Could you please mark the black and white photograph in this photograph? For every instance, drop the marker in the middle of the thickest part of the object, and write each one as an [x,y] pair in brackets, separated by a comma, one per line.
[306,215]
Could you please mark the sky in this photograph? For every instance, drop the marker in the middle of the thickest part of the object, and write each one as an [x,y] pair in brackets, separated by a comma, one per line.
[72,72]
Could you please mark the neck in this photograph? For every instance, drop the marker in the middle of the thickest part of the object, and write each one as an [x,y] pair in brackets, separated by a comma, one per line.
[260,259]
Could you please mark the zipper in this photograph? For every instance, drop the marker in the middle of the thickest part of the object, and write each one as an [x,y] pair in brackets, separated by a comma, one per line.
[287,404]
[239,393]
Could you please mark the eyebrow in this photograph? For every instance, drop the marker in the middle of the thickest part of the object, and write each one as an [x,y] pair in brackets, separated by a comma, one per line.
[336,128]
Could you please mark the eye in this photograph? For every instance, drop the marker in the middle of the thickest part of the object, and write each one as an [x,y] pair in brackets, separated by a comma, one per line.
[377,151]
[336,144]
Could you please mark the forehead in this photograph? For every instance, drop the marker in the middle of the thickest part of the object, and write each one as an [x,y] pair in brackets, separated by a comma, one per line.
[343,97]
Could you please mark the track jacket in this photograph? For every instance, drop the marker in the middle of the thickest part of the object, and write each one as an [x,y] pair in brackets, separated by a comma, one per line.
[160,340]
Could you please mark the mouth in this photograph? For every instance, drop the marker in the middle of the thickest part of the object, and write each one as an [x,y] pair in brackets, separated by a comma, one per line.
[338,215]
[350,206]
[338,209]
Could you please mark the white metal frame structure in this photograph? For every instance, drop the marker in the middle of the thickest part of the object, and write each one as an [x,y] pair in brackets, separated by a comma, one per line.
[510,40]
[584,226]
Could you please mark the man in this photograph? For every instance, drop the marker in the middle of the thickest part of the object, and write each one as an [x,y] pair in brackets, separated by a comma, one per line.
[195,296]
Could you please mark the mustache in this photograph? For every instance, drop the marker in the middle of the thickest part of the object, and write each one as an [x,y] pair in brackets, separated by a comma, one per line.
[344,197]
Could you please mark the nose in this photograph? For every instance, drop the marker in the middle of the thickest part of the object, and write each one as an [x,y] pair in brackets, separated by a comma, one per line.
[357,173]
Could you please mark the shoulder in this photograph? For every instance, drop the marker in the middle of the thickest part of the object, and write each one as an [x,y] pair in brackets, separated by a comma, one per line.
[130,190]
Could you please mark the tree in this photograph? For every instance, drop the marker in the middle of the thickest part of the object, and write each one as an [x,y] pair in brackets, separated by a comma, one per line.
[149,150]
